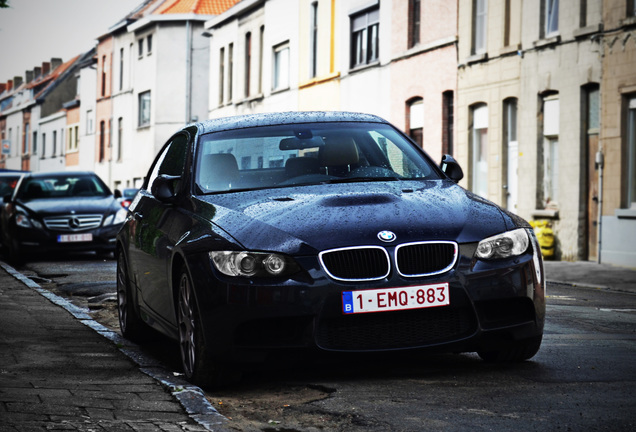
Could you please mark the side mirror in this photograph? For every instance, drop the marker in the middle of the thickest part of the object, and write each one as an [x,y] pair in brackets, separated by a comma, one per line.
[117,193]
[163,187]
[451,168]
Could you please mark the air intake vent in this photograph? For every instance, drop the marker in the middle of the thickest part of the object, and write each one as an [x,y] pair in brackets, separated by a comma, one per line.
[356,264]
[72,223]
[425,258]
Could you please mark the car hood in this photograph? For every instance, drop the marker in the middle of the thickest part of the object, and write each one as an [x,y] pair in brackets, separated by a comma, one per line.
[312,218]
[75,205]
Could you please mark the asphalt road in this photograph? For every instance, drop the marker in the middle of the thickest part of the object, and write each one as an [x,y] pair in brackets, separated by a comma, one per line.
[582,379]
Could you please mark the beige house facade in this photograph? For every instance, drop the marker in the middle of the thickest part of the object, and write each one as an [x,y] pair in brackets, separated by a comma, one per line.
[618,133]
[529,86]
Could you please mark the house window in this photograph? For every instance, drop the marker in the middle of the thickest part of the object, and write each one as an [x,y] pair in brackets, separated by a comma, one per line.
[35,143]
[54,143]
[144,108]
[415,113]
[120,138]
[102,141]
[230,71]
[43,146]
[631,8]
[507,17]
[448,121]
[550,17]
[313,41]
[149,44]
[480,12]
[261,44]
[281,67]
[76,141]
[90,119]
[479,150]
[221,75]
[550,150]
[121,68]
[365,37]
[27,136]
[631,148]
[103,76]
[140,46]
[414,22]
[248,62]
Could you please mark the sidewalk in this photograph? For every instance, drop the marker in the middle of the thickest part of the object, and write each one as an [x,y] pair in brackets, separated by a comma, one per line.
[57,372]
[592,275]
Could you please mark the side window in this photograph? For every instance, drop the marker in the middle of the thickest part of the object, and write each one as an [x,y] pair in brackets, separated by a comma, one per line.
[171,161]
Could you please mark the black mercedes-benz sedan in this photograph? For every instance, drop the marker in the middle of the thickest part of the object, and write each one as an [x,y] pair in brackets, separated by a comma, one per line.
[326,233]
[60,212]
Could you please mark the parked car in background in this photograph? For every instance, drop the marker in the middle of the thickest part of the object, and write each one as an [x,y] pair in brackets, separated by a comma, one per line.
[326,233]
[60,211]
[127,195]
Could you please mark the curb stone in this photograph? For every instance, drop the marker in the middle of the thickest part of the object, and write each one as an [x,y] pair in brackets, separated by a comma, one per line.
[191,398]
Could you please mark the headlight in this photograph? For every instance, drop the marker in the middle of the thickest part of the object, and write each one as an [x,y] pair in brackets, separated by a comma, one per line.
[116,218]
[508,244]
[23,221]
[243,263]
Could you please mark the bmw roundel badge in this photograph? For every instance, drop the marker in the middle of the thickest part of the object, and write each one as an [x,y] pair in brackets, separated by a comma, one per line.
[387,236]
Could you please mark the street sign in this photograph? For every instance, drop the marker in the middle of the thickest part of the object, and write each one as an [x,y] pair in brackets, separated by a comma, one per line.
[6,147]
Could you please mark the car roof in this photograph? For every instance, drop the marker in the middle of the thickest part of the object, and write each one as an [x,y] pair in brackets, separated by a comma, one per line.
[60,174]
[279,118]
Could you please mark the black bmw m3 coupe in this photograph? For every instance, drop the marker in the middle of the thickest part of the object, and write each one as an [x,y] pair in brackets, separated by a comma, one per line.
[324,232]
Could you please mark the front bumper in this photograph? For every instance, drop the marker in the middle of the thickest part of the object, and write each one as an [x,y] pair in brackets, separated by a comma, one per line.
[493,304]
[102,239]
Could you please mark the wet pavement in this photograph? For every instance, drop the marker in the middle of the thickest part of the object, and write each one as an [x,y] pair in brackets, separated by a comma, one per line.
[61,370]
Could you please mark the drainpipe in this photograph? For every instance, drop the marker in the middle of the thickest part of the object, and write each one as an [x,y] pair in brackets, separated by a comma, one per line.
[188,108]
[599,165]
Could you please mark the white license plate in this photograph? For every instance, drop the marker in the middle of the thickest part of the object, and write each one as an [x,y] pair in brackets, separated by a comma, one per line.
[73,238]
[392,299]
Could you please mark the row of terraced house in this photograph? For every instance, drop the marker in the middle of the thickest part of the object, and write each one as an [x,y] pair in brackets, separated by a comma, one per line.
[535,98]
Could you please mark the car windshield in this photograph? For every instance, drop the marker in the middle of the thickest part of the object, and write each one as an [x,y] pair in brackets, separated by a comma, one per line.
[62,186]
[306,154]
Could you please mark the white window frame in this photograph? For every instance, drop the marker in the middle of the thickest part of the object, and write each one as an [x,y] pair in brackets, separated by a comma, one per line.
[479,143]
[144,108]
[480,26]
[551,17]
[280,75]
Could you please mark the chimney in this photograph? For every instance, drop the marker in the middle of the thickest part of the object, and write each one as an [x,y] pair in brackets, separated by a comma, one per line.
[9,85]
[55,63]
[3,87]
[17,81]
[37,71]
[46,68]
[29,76]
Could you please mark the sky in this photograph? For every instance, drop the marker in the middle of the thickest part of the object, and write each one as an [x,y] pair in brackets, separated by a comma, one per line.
[34,31]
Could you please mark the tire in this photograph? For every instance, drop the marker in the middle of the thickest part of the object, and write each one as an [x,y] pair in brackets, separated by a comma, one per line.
[518,352]
[130,325]
[196,361]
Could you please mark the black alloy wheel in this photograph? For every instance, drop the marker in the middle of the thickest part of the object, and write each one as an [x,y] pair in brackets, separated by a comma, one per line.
[195,359]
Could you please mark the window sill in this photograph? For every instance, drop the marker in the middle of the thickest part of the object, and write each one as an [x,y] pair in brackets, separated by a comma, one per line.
[280,90]
[629,213]
[477,58]
[629,21]
[510,49]
[363,67]
[145,126]
[584,32]
[546,42]
[545,214]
